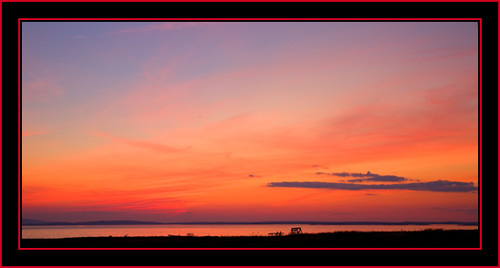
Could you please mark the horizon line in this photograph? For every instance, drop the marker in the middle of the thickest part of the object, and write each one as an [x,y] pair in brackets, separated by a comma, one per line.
[132,222]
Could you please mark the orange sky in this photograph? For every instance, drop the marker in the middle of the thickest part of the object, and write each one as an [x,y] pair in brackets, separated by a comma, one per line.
[250,121]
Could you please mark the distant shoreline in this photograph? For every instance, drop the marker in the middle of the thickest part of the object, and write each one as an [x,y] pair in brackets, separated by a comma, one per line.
[41,223]
[436,238]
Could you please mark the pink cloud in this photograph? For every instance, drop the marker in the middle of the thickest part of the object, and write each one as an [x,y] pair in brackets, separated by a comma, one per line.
[143,144]
[33,133]
[435,119]
[40,89]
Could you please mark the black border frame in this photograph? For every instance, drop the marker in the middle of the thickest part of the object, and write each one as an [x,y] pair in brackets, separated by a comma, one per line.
[487,11]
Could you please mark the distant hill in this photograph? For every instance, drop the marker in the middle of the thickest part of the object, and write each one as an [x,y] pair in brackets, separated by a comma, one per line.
[334,223]
[32,222]
[124,222]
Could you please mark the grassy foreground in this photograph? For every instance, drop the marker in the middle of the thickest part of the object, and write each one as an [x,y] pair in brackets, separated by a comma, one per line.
[403,239]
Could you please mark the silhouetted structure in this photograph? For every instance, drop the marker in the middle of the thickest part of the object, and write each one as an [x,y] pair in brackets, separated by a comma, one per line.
[296,230]
[280,233]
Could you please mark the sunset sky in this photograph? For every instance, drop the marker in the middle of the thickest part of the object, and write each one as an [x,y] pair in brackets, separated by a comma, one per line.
[250,121]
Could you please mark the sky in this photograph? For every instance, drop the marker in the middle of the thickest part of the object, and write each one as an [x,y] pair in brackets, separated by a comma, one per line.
[186,121]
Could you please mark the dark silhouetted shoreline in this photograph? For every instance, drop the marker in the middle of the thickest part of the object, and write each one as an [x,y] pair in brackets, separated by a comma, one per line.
[400,239]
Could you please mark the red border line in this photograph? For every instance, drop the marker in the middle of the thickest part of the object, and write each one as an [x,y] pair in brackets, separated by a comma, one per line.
[252,19]
[1,123]
[249,249]
[249,19]
[480,62]
[19,125]
[192,1]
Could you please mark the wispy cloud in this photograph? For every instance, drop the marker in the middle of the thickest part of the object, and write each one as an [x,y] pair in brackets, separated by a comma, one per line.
[37,88]
[434,186]
[143,144]
[318,166]
[33,133]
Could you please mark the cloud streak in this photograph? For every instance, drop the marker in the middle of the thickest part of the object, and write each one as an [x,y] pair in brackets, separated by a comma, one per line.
[38,88]
[143,144]
[33,133]
[433,186]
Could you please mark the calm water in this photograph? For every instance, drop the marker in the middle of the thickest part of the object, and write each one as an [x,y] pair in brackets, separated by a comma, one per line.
[211,229]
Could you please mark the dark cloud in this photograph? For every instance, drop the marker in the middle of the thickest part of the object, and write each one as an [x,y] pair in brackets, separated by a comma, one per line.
[369,177]
[253,176]
[343,174]
[434,186]
[384,178]
[361,175]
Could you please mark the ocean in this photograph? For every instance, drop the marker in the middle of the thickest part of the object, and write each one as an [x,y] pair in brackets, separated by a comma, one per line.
[65,231]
